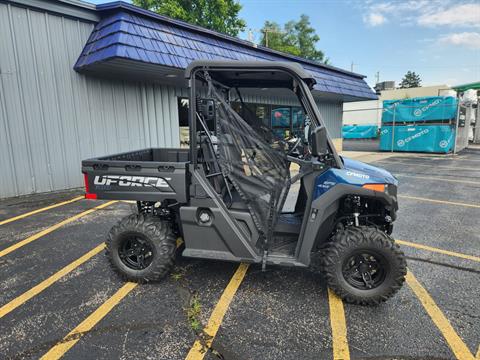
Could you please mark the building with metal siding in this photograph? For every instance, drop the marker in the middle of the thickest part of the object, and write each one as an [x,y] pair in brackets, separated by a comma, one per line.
[52,117]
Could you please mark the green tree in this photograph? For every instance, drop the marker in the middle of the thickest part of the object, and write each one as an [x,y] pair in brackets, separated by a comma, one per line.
[218,15]
[410,80]
[297,38]
[274,37]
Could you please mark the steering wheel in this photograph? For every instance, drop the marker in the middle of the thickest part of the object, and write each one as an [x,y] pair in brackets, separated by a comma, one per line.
[294,147]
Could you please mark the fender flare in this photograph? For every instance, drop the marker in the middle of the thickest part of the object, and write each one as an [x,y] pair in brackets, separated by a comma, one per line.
[326,205]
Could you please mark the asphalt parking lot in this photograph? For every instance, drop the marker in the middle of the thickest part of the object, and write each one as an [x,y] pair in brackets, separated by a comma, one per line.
[59,298]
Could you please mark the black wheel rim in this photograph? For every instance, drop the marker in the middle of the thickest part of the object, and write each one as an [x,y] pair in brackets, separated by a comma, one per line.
[365,270]
[135,251]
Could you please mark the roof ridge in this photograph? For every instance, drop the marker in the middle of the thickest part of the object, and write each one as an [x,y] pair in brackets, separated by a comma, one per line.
[90,40]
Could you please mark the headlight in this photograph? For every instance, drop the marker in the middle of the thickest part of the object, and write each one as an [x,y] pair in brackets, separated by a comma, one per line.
[375,187]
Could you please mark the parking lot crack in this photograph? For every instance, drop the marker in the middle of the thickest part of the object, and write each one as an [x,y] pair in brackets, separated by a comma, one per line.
[193,311]
[456,267]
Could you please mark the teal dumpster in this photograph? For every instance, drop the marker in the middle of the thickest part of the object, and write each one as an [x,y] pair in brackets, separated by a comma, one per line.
[359,131]
[418,138]
[420,109]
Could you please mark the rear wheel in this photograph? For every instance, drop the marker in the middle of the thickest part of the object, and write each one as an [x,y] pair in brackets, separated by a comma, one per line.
[363,265]
[141,248]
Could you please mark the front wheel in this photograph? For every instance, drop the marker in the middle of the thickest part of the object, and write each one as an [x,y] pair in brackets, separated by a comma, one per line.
[141,248]
[363,265]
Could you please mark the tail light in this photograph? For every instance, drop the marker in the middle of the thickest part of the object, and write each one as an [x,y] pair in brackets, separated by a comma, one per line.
[88,195]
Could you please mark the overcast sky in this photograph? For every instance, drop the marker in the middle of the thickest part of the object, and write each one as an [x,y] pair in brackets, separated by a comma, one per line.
[438,39]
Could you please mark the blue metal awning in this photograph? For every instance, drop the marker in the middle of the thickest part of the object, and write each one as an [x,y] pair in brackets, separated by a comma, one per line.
[126,32]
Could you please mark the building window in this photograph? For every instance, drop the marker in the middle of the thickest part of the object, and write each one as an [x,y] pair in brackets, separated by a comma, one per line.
[288,121]
[183,121]
[285,121]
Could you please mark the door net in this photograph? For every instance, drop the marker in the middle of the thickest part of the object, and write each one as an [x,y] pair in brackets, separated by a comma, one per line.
[258,170]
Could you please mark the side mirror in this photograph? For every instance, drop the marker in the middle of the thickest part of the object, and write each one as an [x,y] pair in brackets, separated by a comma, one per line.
[206,108]
[318,141]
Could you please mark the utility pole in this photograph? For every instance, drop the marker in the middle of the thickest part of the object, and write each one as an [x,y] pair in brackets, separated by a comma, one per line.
[352,65]
[266,31]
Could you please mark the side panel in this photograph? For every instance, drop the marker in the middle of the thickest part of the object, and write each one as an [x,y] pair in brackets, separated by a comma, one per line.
[142,175]
[227,234]
[143,185]
[216,239]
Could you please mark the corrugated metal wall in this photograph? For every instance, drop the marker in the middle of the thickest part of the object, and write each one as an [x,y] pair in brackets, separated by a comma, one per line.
[52,117]
[332,116]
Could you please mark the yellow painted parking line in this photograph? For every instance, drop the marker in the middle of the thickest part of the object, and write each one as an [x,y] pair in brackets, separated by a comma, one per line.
[89,323]
[437,250]
[3,222]
[339,327]
[441,179]
[457,345]
[428,165]
[197,352]
[439,201]
[12,305]
[86,325]
[477,357]
[48,230]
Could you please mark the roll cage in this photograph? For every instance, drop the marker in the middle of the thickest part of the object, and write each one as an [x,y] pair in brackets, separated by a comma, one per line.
[235,74]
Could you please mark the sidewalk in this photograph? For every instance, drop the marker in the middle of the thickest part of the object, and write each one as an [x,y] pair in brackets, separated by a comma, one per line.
[369,156]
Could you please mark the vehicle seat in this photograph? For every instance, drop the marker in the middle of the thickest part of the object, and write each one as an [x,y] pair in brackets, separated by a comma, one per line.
[214,172]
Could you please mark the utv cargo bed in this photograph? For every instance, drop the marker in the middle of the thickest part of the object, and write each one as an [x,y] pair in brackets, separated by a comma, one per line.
[142,175]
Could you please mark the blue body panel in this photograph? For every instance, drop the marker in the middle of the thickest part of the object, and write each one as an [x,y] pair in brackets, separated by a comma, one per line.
[354,173]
